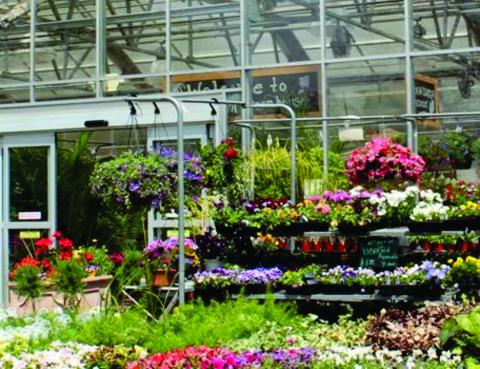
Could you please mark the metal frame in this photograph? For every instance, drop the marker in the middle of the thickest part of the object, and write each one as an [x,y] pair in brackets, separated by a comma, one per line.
[25,141]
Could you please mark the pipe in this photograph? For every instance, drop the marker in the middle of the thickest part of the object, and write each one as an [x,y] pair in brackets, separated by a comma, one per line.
[181,189]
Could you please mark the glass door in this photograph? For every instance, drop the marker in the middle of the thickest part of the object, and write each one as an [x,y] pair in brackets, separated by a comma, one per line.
[28,199]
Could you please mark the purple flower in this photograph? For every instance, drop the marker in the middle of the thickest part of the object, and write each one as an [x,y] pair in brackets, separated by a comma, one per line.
[134,186]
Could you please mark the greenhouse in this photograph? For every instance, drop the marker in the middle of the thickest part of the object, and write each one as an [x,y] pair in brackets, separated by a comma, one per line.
[240,184]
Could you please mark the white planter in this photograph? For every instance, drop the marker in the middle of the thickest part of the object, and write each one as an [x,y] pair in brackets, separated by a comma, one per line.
[211,264]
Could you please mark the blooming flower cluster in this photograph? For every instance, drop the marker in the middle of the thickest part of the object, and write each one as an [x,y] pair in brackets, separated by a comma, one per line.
[136,181]
[381,159]
[336,356]
[227,277]
[164,252]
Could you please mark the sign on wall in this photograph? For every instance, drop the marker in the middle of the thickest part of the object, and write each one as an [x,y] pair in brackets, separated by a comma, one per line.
[295,86]
[427,98]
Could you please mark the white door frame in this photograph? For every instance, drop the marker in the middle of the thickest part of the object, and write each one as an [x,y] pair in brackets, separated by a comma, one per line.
[24,141]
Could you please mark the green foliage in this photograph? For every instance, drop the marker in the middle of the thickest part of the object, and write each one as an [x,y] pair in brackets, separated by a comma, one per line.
[225,177]
[463,332]
[458,146]
[273,166]
[304,332]
[68,280]
[101,259]
[28,281]
[129,272]
[192,324]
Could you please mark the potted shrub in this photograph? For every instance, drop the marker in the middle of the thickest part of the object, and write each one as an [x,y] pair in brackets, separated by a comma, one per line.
[163,257]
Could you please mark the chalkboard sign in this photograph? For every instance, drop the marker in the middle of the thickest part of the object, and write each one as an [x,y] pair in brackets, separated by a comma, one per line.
[379,252]
[295,86]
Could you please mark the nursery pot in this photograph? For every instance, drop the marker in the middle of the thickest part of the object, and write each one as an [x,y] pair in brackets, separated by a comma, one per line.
[163,277]
[212,264]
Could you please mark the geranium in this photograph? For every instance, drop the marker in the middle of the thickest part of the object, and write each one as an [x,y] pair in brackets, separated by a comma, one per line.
[381,159]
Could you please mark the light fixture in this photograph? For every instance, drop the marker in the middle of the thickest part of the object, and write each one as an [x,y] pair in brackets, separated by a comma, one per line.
[96,123]
[418,30]
[466,81]
[341,42]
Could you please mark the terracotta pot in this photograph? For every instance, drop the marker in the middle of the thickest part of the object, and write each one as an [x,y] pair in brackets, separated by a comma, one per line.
[163,277]
[93,295]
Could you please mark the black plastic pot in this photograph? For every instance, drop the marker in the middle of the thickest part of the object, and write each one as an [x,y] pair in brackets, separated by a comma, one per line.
[426,290]
[462,224]
[426,227]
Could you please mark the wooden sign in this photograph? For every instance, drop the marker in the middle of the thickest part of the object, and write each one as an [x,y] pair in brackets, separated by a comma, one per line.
[379,252]
[427,98]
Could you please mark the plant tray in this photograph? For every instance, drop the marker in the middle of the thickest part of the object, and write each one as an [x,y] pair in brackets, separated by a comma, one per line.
[417,291]
[426,227]
[462,224]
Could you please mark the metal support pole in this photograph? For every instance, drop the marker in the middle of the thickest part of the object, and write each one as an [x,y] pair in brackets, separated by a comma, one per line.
[181,190]
[252,147]
[293,143]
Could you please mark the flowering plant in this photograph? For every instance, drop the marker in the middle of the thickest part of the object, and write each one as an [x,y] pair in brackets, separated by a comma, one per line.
[228,277]
[163,254]
[46,252]
[139,181]
[223,169]
[381,159]
[211,245]
[464,271]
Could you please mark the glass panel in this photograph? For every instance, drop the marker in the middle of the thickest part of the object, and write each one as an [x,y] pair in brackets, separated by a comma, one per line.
[65,91]
[15,43]
[65,40]
[135,37]
[190,145]
[446,24]
[21,243]
[121,87]
[283,31]
[206,36]
[297,86]
[28,183]
[14,94]
[452,81]
[374,87]
[183,4]
[355,28]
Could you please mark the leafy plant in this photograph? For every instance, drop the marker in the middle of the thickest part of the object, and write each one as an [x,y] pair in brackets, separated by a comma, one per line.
[273,167]
[68,280]
[29,283]
[458,146]
[463,332]
[408,331]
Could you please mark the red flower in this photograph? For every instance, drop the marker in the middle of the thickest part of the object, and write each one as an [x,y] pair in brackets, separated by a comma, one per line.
[117,258]
[306,246]
[88,257]
[47,266]
[42,245]
[65,244]
[229,141]
[57,234]
[65,255]
[230,154]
